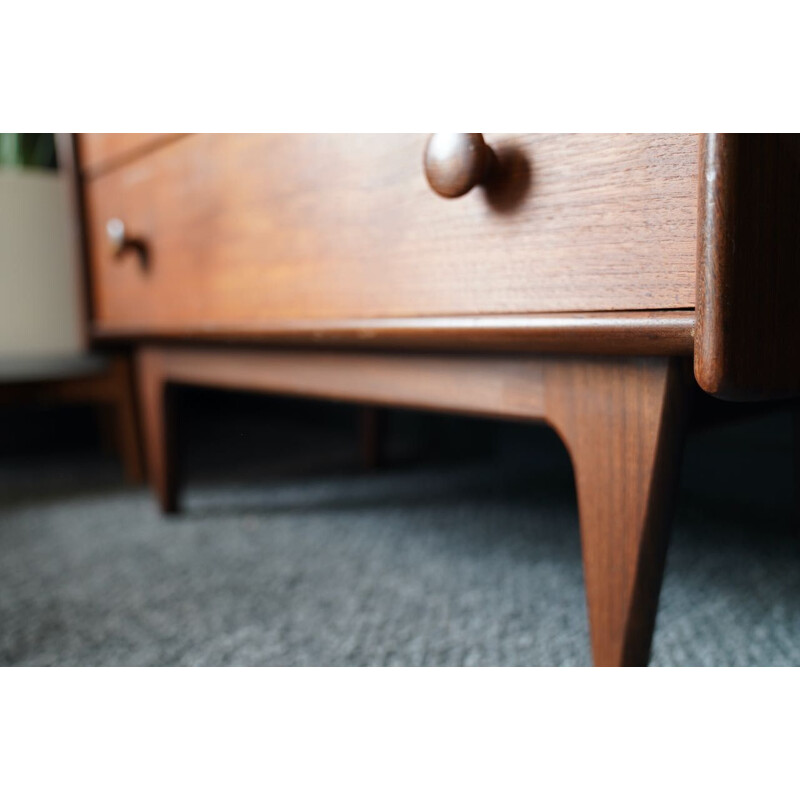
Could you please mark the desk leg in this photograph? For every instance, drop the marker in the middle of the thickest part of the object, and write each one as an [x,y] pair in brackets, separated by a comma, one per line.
[623,423]
[126,424]
[158,424]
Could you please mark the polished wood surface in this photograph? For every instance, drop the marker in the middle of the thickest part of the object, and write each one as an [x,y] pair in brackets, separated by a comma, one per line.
[623,423]
[101,152]
[156,401]
[506,387]
[620,419]
[249,231]
[748,291]
[604,333]
[456,162]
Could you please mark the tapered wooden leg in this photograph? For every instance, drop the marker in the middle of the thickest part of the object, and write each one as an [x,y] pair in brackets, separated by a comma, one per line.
[158,423]
[126,435]
[372,424]
[623,423]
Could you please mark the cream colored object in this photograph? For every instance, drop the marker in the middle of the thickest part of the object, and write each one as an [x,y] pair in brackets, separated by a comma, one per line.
[40,310]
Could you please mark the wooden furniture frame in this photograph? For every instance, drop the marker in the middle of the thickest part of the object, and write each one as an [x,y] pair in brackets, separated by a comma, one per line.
[615,384]
[620,418]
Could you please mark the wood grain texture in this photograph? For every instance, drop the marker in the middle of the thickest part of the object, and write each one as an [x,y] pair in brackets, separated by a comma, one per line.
[619,417]
[607,333]
[623,423]
[102,152]
[748,275]
[251,231]
[506,387]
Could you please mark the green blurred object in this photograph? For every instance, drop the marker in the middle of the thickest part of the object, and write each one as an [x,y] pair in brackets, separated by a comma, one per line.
[28,150]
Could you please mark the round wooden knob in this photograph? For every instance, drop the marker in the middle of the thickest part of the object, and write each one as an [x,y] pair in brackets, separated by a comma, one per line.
[455,162]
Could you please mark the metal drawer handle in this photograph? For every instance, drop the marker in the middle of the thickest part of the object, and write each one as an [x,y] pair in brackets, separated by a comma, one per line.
[120,242]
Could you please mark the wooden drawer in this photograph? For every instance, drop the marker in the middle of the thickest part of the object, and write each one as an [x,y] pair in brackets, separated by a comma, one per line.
[100,152]
[248,230]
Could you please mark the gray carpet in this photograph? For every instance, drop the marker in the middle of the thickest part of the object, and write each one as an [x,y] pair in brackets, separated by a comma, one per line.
[472,562]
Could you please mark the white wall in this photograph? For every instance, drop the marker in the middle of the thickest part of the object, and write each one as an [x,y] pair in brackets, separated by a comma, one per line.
[40,311]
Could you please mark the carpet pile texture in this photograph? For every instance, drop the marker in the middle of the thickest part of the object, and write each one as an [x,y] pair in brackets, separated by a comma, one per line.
[470,562]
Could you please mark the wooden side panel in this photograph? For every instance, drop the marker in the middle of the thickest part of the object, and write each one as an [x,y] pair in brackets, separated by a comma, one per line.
[508,387]
[247,230]
[747,341]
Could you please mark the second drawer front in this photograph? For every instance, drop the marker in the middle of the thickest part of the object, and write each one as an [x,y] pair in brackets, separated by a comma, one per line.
[245,230]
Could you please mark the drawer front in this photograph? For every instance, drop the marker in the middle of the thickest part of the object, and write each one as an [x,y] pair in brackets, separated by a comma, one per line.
[100,152]
[248,230]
